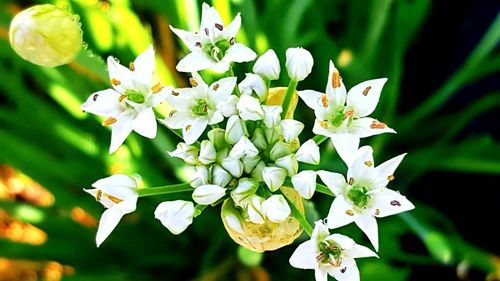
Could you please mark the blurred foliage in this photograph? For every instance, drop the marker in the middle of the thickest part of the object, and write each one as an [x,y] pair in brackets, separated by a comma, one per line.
[44,134]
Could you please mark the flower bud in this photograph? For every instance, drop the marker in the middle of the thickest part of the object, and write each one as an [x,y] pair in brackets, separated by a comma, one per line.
[176,216]
[244,147]
[186,152]
[272,115]
[259,139]
[207,152]
[276,208]
[233,166]
[280,149]
[249,108]
[249,163]
[268,65]
[228,107]
[308,152]
[255,211]
[274,177]
[289,163]
[200,177]
[235,129]
[208,194]
[246,188]
[257,171]
[216,136]
[299,63]
[253,83]
[305,183]
[291,129]
[220,176]
[46,35]
[273,135]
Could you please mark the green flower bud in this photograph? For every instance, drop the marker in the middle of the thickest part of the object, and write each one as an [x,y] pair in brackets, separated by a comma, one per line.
[46,35]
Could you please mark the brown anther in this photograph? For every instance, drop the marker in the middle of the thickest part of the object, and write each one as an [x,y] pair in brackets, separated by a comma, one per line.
[320,257]
[121,98]
[188,127]
[193,82]
[219,26]
[351,181]
[131,66]
[349,212]
[198,44]
[335,262]
[378,125]
[156,88]
[343,270]
[365,91]
[336,79]
[205,108]
[174,93]
[349,113]
[206,31]
[395,203]
[109,121]
[115,82]
[324,124]
[231,41]
[390,178]
[94,98]
[98,195]
[171,113]
[377,212]
[324,100]
[368,163]
[216,87]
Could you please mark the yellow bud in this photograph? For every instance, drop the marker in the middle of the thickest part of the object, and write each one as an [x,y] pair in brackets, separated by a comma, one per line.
[46,35]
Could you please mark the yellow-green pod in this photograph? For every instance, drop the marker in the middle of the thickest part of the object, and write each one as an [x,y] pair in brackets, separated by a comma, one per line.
[46,35]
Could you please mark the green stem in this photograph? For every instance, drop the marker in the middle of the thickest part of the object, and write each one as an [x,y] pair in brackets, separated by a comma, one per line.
[231,73]
[166,189]
[319,139]
[288,97]
[319,187]
[198,209]
[298,215]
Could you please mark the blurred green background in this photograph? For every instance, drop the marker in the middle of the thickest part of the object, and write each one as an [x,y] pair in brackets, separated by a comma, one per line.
[441,58]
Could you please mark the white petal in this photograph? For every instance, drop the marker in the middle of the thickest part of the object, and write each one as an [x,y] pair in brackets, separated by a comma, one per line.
[120,186]
[239,53]
[228,108]
[363,98]
[368,224]
[362,168]
[276,208]
[188,38]
[208,194]
[272,115]
[207,152]
[119,132]
[221,66]
[304,257]
[299,63]
[145,123]
[253,83]
[291,129]
[336,96]
[249,108]
[344,242]
[195,61]
[346,146]
[215,118]
[311,98]
[321,274]
[359,251]
[220,176]
[233,166]
[341,213]
[347,271]
[255,211]
[210,17]
[244,191]
[289,163]
[177,119]
[384,171]
[104,103]
[120,73]
[389,202]
[367,127]
[274,177]
[220,90]
[232,29]
[193,129]
[308,152]
[159,97]
[334,181]
[235,129]
[268,65]
[320,231]
[109,220]
[176,216]
[144,66]
[305,183]
[244,147]
[200,177]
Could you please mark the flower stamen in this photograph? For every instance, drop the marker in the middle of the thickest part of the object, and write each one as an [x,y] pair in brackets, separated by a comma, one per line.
[336,79]
[324,100]
[109,121]
[193,82]
[115,82]
[131,66]
[378,125]
[365,91]
[156,88]
[219,26]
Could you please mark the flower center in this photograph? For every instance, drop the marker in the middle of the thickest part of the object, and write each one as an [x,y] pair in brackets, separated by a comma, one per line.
[201,107]
[218,50]
[134,96]
[330,252]
[358,194]
[338,117]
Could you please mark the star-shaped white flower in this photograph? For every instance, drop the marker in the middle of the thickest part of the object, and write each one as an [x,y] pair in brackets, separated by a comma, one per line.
[364,196]
[128,106]
[118,194]
[198,106]
[330,254]
[214,46]
[343,117]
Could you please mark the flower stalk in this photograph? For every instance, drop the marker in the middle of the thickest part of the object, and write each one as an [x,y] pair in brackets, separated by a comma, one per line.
[166,189]
[288,98]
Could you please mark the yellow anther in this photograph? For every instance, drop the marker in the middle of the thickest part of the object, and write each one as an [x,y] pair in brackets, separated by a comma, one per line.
[216,87]
[390,178]
[193,82]
[114,199]
[324,100]
[115,82]
[336,79]
[351,181]
[365,91]
[349,113]
[109,121]
[188,127]
[131,66]
[378,125]
[121,98]
[156,88]
[174,93]
[324,124]
[349,212]
[368,163]
[98,195]
[377,212]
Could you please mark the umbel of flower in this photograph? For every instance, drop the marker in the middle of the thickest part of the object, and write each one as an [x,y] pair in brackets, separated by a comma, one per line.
[128,106]
[214,46]
[118,193]
[330,254]
[364,196]
[199,106]
[46,35]
[343,117]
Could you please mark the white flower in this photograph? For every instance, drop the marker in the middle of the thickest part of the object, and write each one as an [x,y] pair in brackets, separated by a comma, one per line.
[289,163]
[207,152]
[233,166]
[342,117]
[330,254]
[244,147]
[276,208]
[308,153]
[186,152]
[291,129]
[272,116]
[200,176]
[299,63]
[255,211]
[208,194]
[253,83]
[214,46]
[129,105]
[118,194]
[198,106]
[246,189]
[364,196]
[274,177]
[228,107]
[176,215]
[268,65]
[305,183]
[220,176]
[249,108]
[235,129]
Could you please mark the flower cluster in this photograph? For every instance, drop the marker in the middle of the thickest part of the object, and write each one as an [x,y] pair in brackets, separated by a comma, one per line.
[243,145]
